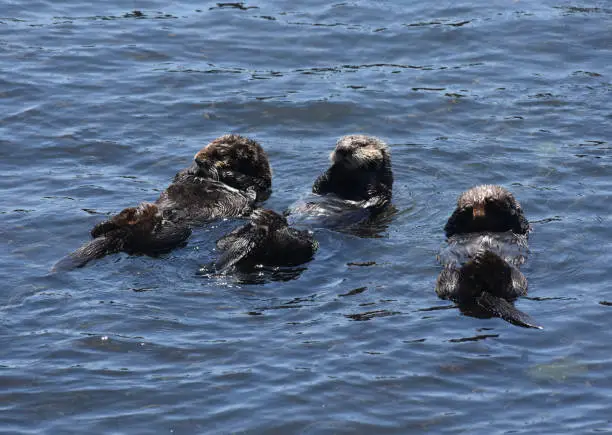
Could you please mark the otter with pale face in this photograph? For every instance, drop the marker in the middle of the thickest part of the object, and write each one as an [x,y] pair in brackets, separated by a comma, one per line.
[487,241]
[266,240]
[487,208]
[360,171]
[354,194]
[138,230]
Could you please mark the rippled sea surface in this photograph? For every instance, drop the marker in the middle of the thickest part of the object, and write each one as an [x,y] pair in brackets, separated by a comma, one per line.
[101,105]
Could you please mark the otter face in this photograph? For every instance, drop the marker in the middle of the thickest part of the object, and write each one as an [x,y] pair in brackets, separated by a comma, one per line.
[142,218]
[487,208]
[359,151]
[233,153]
[272,220]
[486,196]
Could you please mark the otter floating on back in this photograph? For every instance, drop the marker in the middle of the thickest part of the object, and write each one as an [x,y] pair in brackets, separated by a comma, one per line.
[487,237]
[226,179]
[357,185]
[136,230]
[266,240]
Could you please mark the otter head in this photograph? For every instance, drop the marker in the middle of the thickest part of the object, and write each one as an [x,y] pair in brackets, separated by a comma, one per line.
[359,151]
[269,219]
[133,220]
[141,219]
[487,208]
[228,157]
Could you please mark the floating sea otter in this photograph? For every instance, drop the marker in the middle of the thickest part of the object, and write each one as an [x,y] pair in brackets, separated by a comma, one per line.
[357,186]
[135,230]
[227,178]
[266,240]
[487,236]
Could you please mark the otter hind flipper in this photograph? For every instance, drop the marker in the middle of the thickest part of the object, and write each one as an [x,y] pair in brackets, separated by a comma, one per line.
[505,310]
[96,248]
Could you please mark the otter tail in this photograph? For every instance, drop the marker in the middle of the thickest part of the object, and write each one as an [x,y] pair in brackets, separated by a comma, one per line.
[506,310]
[96,248]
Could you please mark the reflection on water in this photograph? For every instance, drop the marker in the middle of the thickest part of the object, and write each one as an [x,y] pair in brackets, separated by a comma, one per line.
[260,275]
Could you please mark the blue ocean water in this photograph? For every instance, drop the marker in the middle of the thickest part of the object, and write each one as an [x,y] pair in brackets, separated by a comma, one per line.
[102,103]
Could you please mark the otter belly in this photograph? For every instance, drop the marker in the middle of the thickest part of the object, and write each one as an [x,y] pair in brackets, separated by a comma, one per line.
[327,211]
[460,248]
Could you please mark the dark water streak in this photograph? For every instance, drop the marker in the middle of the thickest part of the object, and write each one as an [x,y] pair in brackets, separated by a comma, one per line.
[100,106]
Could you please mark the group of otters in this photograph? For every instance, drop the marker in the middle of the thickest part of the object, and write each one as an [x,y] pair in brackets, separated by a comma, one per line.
[486,233]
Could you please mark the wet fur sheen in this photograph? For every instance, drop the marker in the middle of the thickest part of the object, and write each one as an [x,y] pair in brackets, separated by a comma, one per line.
[267,240]
[226,179]
[354,192]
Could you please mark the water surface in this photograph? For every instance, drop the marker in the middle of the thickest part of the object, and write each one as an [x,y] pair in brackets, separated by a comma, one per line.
[101,105]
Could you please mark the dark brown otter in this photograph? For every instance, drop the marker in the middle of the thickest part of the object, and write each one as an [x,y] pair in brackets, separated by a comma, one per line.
[485,286]
[266,240]
[135,230]
[487,238]
[227,177]
[236,161]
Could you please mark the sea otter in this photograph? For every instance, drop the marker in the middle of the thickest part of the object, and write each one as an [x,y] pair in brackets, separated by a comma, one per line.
[487,241]
[360,171]
[135,230]
[265,240]
[487,217]
[357,186]
[226,179]
[236,161]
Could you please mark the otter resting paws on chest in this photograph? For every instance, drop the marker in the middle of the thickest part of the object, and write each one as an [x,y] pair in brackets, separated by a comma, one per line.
[265,240]
[354,193]
[226,179]
[360,171]
[486,234]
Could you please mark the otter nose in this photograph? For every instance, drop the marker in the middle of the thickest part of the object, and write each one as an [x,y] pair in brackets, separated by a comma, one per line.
[478,211]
